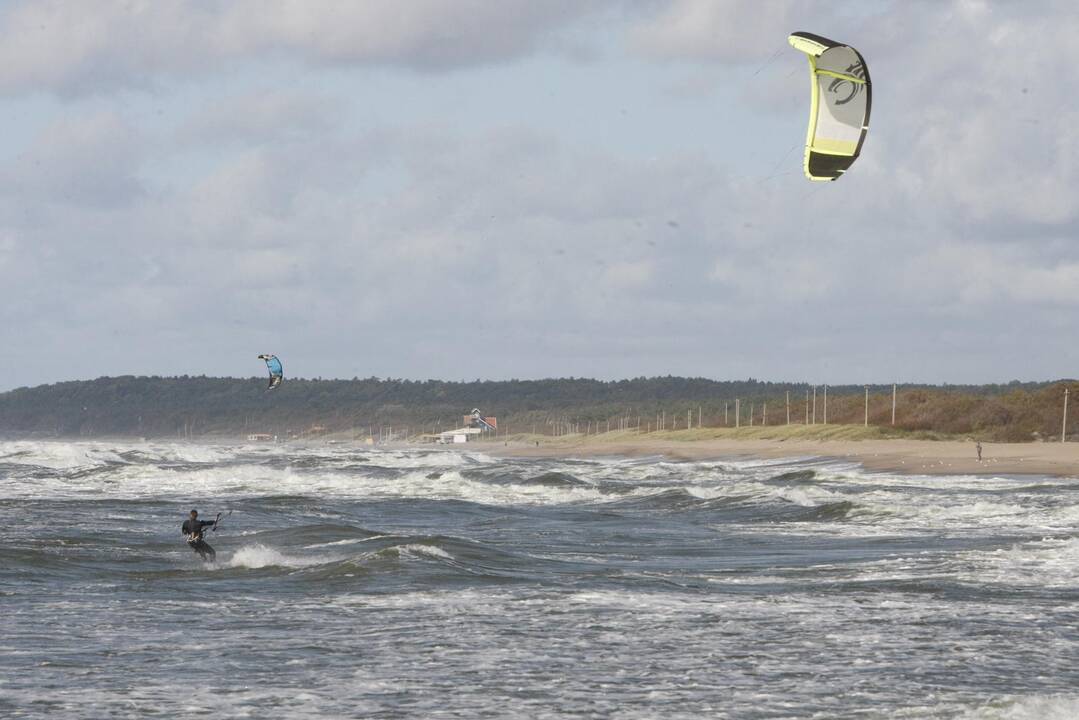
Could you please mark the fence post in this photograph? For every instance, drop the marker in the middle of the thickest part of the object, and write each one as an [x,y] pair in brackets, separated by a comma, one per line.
[867,406]
[893,402]
[737,412]
[788,407]
[1064,425]
[825,404]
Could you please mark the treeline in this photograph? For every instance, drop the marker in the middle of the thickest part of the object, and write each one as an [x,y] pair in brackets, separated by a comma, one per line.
[227,407]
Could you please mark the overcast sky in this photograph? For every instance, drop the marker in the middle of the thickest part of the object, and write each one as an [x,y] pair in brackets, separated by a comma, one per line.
[510,188]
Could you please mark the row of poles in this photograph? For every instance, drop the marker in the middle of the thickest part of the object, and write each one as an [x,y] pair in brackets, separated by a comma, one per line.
[568,427]
[626,423]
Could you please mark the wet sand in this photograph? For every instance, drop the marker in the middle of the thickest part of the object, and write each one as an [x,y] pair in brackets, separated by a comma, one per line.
[904,456]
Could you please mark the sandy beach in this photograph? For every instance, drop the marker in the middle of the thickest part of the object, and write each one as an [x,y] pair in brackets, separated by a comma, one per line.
[934,457]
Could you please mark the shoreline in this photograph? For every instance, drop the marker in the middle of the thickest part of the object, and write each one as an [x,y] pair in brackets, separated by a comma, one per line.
[910,457]
[876,453]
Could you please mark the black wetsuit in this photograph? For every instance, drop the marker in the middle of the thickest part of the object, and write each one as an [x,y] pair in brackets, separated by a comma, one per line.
[193,530]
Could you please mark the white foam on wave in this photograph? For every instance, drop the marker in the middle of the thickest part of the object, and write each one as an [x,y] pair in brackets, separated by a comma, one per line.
[887,503]
[61,455]
[348,541]
[1048,563]
[257,556]
[430,551]
[807,496]
[1036,707]
[883,503]
[192,453]
[452,485]
[58,455]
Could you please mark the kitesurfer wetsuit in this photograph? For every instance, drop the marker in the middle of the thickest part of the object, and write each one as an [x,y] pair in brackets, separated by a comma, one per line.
[192,528]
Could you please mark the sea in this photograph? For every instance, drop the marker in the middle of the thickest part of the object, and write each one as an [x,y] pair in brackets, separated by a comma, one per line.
[356,582]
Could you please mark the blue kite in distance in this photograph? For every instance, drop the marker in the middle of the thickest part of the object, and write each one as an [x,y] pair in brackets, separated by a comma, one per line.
[277,373]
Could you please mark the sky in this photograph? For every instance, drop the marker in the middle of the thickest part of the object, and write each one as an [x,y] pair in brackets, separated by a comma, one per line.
[464,189]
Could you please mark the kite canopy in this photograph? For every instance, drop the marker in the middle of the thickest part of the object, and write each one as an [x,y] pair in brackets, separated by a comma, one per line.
[839,110]
[277,373]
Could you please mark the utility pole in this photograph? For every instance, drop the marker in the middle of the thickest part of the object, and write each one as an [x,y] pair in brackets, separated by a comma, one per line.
[689,419]
[807,406]
[1064,426]
[893,402]
[752,408]
[764,419]
[814,404]
[725,420]
[825,404]
[867,406]
[737,412]
[700,414]
[788,407]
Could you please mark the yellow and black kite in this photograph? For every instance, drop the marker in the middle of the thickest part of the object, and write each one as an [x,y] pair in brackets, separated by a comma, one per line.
[839,113]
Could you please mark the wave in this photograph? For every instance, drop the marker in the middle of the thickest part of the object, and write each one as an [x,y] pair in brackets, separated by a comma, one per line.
[554,480]
[1050,564]
[882,504]
[254,557]
[739,505]
[349,558]
[793,477]
[1037,707]
[828,512]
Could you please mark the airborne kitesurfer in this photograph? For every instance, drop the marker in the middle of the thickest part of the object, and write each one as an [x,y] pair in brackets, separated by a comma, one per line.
[192,530]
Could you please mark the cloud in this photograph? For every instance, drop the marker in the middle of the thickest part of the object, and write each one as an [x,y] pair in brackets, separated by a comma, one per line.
[270,212]
[736,31]
[92,159]
[76,48]
[262,116]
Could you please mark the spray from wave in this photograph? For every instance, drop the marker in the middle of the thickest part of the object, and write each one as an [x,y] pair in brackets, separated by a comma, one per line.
[254,557]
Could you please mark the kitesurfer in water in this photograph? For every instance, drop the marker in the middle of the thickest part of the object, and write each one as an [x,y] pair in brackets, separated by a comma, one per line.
[192,530]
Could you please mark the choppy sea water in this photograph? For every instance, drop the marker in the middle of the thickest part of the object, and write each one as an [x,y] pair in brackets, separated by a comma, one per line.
[364,583]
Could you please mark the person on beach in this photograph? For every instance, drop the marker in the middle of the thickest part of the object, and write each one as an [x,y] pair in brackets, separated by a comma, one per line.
[192,530]
[978,447]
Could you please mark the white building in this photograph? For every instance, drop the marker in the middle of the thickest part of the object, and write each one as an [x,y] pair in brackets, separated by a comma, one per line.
[460,435]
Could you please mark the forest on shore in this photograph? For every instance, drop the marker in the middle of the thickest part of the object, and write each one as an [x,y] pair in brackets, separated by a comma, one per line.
[203,407]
